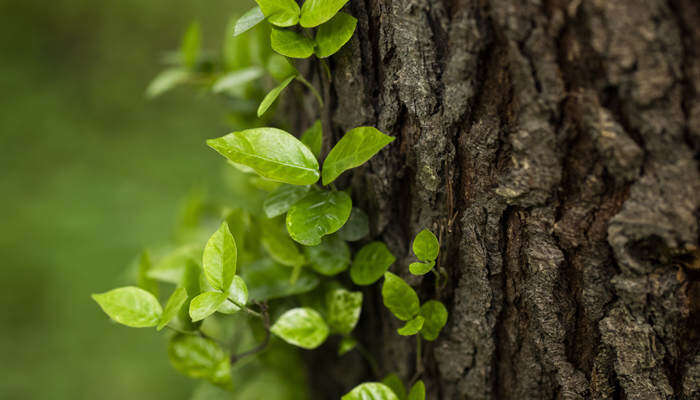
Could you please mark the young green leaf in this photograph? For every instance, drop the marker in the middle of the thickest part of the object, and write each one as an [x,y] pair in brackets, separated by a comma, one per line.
[426,246]
[313,138]
[282,199]
[291,44]
[206,304]
[394,382]
[268,280]
[329,258]
[316,12]
[190,281]
[219,259]
[353,150]
[200,358]
[130,306]
[279,68]
[167,80]
[371,391]
[435,315]
[280,12]
[272,153]
[281,248]
[191,44]
[170,266]
[412,327]
[319,213]
[419,268]
[238,292]
[333,35]
[357,226]
[172,307]
[399,297]
[302,327]
[370,263]
[417,391]
[236,79]
[346,344]
[248,20]
[272,95]
[344,309]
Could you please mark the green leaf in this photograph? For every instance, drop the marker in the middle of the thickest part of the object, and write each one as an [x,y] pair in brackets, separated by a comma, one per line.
[248,20]
[344,309]
[291,44]
[282,199]
[191,44]
[236,79]
[302,327]
[166,80]
[329,258]
[399,297]
[319,213]
[279,68]
[190,281]
[313,138]
[281,247]
[419,268]
[280,12]
[357,226]
[412,327]
[426,246]
[435,315]
[130,306]
[394,382]
[272,95]
[417,391]
[333,35]
[144,281]
[206,304]
[219,260]
[370,263]
[172,307]
[237,292]
[170,267]
[200,358]
[346,344]
[268,280]
[371,391]
[316,12]
[353,150]
[272,153]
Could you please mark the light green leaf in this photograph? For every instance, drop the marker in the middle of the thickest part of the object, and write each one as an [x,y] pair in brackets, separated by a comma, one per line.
[417,391]
[267,280]
[435,315]
[353,150]
[357,226]
[272,95]
[170,267]
[280,12]
[173,306]
[419,268]
[333,35]
[282,199]
[144,281]
[236,79]
[346,344]
[370,263]
[281,247]
[394,382]
[344,309]
[248,20]
[272,153]
[291,44]
[399,297]
[412,327]
[426,246]
[279,68]
[316,12]
[329,258]
[190,281]
[238,292]
[313,138]
[200,358]
[130,306]
[219,260]
[191,44]
[167,80]
[371,391]
[319,213]
[206,304]
[302,327]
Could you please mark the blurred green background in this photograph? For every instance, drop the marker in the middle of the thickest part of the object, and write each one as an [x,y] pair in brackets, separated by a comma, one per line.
[90,173]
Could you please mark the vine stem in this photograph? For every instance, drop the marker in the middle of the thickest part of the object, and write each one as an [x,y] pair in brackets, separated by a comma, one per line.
[369,358]
[193,333]
[312,89]
[419,361]
[244,308]
[262,346]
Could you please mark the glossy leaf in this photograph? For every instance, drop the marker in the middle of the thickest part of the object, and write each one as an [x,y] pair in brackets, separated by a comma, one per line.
[130,306]
[206,304]
[435,315]
[417,391]
[394,382]
[421,268]
[412,327]
[272,153]
[352,150]
[346,344]
[316,12]
[333,35]
[282,199]
[399,297]
[191,44]
[173,306]
[344,309]
[357,226]
[302,327]
[371,391]
[248,20]
[426,246]
[279,67]
[167,80]
[268,280]
[238,292]
[318,214]
[313,138]
[280,12]
[370,263]
[272,95]
[236,79]
[291,44]
[219,260]
[281,247]
[200,358]
[329,258]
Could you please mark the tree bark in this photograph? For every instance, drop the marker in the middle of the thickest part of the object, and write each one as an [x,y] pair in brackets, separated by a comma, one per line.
[553,146]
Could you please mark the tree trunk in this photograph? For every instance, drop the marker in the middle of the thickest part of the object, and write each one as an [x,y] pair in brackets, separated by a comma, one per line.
[553,145]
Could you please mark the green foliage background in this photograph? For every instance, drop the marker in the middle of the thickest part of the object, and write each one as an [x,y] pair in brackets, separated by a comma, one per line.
[90,171]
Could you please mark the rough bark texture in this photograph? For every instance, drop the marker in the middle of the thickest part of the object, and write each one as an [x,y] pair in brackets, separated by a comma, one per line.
[553,145]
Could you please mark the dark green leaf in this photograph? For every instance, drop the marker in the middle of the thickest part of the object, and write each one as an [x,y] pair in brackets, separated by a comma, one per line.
[313,138]
[282,199]
[318,214]
[238,292]
[412,327]
[200,358]
[206,304]
[173,306]
[435,315]
[130,306]
[329,258]
[272,95]
[219,260]
[357,226]
[316,12]
[333,35]
[167,80]
[394,382]
[371,391]
[344,309]
[353,150]
[191,44]
[280,12]
[303,327]
[291,44]
[268,280]
[426,246]
[236,79]
[346,344]
[417,391]
[399,297]
[370,263]
[419,268]
[246,22]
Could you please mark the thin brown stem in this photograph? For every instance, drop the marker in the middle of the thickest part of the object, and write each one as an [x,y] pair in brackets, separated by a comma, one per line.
[263,345]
